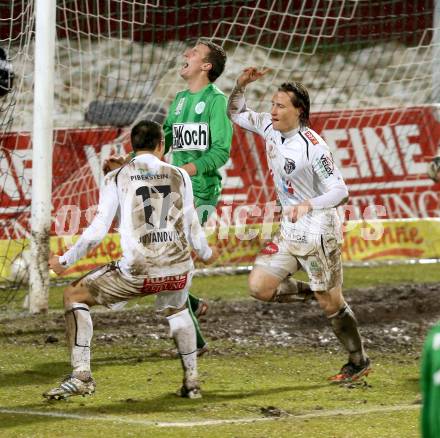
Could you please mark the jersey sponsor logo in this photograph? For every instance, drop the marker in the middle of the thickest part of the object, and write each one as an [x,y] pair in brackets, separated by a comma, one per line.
[270,249]
[311,137]
[190,136]
[327,164]
[436,342]
[179,106]
[160,284]
[200,107]
[289,165]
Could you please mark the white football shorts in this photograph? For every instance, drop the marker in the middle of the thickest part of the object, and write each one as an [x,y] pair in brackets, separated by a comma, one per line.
[108,285]
[319,255]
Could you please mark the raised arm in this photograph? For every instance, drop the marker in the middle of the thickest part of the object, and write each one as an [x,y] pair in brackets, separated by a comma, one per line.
[238,112]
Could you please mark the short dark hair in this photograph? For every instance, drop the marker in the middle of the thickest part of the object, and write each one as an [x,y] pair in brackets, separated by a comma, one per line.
[300,99]
[146,135]
[216,57]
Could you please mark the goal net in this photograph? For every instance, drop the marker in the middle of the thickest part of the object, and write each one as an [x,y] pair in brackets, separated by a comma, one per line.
[371,68]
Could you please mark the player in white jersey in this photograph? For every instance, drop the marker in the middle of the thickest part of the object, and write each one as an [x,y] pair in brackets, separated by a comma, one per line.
[309,187]
[158,226]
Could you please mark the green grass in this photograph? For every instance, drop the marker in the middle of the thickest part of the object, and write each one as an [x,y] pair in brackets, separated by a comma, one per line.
[138,385]
[137,382]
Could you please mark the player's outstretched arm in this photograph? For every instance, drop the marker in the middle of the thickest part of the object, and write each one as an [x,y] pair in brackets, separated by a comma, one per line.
[95,232]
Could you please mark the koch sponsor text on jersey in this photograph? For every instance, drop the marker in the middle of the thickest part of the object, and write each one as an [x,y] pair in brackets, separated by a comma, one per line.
[190,136]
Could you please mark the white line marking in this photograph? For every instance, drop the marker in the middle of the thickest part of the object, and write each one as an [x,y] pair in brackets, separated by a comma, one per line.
[310,415]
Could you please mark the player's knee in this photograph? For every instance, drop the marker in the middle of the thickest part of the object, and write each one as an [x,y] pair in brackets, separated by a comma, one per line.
[77,294]
[329,308]
[258,290]
[253,287]
[330,301]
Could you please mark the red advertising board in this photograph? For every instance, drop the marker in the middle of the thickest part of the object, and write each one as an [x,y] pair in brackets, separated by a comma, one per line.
[382,155]
[77,159]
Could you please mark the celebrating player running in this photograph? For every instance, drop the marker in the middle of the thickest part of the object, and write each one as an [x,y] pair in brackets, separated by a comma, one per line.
[309,187]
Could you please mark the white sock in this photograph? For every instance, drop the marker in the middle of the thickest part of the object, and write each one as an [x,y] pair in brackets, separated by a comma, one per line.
[184,334]
[79,328]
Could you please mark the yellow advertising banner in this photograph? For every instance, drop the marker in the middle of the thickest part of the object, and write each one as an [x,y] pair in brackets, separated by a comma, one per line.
[363,241]
[391,240]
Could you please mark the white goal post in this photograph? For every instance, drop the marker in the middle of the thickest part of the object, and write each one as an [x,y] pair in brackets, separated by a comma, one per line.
[42,141]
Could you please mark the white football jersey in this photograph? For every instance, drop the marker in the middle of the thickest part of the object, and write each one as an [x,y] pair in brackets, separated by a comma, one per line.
[303,169]
[158,222]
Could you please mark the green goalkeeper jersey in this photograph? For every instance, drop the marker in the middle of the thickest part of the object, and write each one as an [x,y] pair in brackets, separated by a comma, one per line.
[198,130]
[430,383]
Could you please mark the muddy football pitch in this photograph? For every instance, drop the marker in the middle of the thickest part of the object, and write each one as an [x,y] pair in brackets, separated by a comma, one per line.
[264,376]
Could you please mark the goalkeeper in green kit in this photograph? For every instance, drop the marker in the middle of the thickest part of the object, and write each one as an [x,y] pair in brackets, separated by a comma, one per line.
[430,383]
[198,132]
